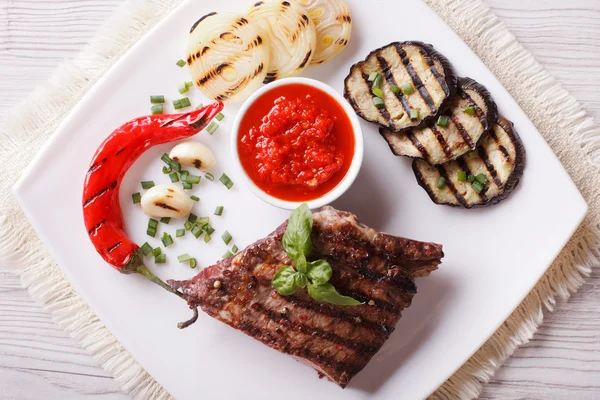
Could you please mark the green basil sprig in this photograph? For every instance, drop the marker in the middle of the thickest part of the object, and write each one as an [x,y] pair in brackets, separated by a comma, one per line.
[313,275]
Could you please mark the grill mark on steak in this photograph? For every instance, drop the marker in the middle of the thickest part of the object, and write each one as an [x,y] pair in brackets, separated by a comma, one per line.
[338,341]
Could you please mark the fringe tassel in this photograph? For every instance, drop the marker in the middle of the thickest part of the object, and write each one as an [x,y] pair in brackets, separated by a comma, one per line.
[535,90]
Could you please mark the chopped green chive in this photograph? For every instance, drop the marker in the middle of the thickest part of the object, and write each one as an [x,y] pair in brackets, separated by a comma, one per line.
[395,89]
[219,116]
[461,176]
[219,210]
[181,103]
[193,263]
[151,231]
[182,88]
[186,185]
[167,170]
[192,218]
[156,109]
[166,239]
[166,159]
[184,175]
[377,92]
[180,63]
[136,197]
[227,254]
[146,249]
[442,121]
[378,80]
[482,179]
[196,231]
[160,259]
[209,176]
[473,153]
[147,184]
[212,127]
[234,249]
[153,223]
[408,88]
[470,110]
[193,179]
[184,258]
[373,76]
[209,229]
[207,238]
[189,84]
[180,233]
[226,236]
[195,198]
[157,99]
[478,187]
[414,114]
[470,178]
[156,251]
[174,177]
[188,225]
[226,181]
[165,220]
[378,103]
[441,183]
[203,220]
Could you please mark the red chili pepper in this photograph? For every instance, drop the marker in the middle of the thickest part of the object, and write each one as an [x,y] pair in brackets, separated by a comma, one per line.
[101,209]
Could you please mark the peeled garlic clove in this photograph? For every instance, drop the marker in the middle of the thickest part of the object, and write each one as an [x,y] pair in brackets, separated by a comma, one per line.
[167,200]
[193,154]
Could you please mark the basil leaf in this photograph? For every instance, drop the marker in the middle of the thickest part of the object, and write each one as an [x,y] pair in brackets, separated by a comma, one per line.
[296,239]
[301,280]
[301,264]
[326,293]
[319,272]
[284,280]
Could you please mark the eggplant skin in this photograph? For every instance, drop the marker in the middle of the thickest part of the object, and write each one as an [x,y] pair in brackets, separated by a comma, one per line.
[507,188]
[449,76]
[438,145]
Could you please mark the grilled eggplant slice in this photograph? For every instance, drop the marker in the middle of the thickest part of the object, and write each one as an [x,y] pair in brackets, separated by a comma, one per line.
[427,77]
[456,132]
[500,158]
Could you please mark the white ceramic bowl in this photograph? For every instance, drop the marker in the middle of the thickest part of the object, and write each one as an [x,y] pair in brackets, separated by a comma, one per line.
[328,197]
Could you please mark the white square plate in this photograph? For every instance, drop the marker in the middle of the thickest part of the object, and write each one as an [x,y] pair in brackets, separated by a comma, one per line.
[494,256]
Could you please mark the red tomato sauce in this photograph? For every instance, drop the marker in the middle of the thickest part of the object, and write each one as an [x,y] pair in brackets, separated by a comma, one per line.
[296,142]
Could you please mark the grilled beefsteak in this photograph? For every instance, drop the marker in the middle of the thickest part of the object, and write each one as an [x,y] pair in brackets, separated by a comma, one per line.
[338,341]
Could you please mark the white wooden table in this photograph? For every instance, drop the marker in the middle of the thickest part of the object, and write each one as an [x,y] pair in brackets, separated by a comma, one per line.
[38,360]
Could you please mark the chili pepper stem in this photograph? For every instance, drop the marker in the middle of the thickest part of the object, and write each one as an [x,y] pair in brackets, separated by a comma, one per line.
[136,266]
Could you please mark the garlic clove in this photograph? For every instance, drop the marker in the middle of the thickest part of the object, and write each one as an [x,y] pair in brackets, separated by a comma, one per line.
[167,200]
[193,154]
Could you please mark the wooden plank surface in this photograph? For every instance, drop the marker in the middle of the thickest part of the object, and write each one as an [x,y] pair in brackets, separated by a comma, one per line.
[38,360]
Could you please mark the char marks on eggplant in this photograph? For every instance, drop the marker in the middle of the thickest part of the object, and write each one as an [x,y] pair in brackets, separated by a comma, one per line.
[500,158]
[338,341]
[415,63]
[438,144]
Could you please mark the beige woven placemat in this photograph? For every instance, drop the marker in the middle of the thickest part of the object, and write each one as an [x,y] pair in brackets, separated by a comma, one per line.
[573,137]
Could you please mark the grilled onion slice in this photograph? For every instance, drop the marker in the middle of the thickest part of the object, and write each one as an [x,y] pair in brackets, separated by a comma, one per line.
[227,56]
[500,158]
[333,24]
[437,144]
[427,72]
[291,35]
